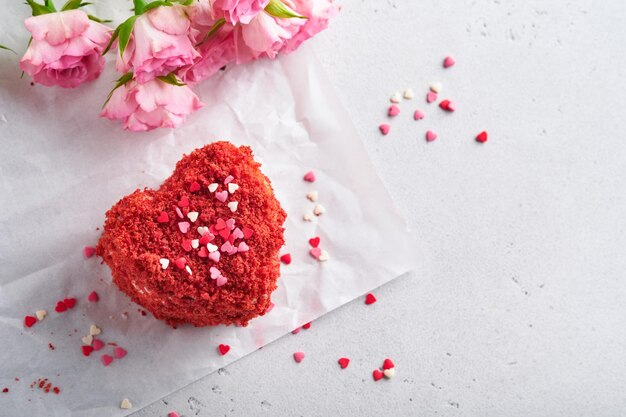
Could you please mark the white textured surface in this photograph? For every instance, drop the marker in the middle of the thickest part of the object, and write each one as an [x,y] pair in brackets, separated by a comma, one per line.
[520,311]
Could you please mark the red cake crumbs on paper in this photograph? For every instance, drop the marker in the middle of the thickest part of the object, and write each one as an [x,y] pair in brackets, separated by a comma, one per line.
[45,385]
[242,240]
[5,390]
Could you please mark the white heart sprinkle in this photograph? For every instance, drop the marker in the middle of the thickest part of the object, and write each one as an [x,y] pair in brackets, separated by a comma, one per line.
[312,195]
[232,187]
[164,263]
[41,314]
[307,217]
[211,247]
[188,269]
[94,330]
[87,340]
[408,94]
[395,98]
[213,187]
[389,373]
[193,216]
[202,230]
[126,404]
[436,87]
[233,206]
[195,243]
[323,256]
[319,210]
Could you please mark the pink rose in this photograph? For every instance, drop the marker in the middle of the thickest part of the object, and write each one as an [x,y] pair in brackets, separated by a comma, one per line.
[161,43]
[153,104]
[264,36]
[215,53]
[318,12]
[66,48]
[238,11]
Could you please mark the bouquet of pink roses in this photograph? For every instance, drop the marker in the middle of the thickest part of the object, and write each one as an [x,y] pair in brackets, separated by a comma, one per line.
[163,49]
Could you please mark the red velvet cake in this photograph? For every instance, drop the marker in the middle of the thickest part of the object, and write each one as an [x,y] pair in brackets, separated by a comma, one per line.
[203,248]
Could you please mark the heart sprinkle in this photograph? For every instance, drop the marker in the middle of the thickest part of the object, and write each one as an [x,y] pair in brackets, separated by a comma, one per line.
[312,196]
[237,233]
[89,251]
[232,187]
[215,256]
[306,326]
[195,243]
[314,241]
[173,414]
[431,96]
[29,321]
[233,206]
[228,179]
[230,223]
[194,187]
[60,307]
[418,115]
[221,280]
[193,216]
[41,314]
[298,356]
[286,258]
[214,272]
[319,210]
[183,202]
[481,137]
[388,364]
[94,330]
[384,129]
[315,253]
[202,230]
[323,256]
[223,349]
[309,176]
[307,217]
[436,87]
[69,302]
[393,111]
[448,62]
[179,213]
[93,297]
[389,373]
[343,362]
[97,344]
[213,187]
[370,299]
[408,94]
[243,247]
[106,360]
[186,245]
[447,105]
[247,233]
[164,263]
[395,98]
[221,195]
[126,404]
[163,217]
[180,263]
[87,340]
[377,374]
[211,247]
[119,353]
[87,350]
[184,227]
[430,136]
[296,330]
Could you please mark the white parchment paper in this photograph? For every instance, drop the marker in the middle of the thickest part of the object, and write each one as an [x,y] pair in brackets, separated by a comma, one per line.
[62,167]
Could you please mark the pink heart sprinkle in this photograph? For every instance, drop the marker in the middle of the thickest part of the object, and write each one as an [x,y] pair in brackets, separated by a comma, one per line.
[230,223]
[97,344]
[296,330]
[309,176]
[229,179]
[183,226]
[226,247]
[221,280]
[237,233]
[298,356]
[119,353]
[448,62]
[214,272]
[173,414]
[430,136]
[179,213]
[393,111]
[233,250]
[431,96]
[93,297]
[215,256]
[247,233]
[418,115]
[315,252]
[243,247]
[221,195]
[220,224]
[106,360]
[89,251]
[384,128]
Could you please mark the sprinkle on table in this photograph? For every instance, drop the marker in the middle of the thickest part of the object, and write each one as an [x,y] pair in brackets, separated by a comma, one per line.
[395,98]
[436,87]
[481,137]
[431,136]
[29,321]
[93,297]
[447,105]
[370,299]
[408,94]
[312,196]
[298,356]
[309,176]
[393,111]
[343,362]
[41,314]
[126,404]
[286,258]
[89,251]
[431,96]
[223,349]
[319,210]
[418,115]
[448,62]
[384,129]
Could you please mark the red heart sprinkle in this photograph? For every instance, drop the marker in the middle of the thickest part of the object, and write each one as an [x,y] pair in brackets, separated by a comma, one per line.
[163,217]
[97,344]
[448,62]
[106,360]
[223,349]
[481,137]
[206,238]
[225,234]
[286,258]
[298,356]
[183,202]
[69,302]
[194,187]
[388,364]
[447,105]
[296,330]
[384,128]
[93,297]
[247,233]
[220,224]
[306,325]
[370,299]
[180,263]
[119,353]
[309,176]
[377,374]
[314,241]
[60,307]
[29,321]
[89,251]
[87,350]
[186,244]
[203,252]
[343,362]
[393,111]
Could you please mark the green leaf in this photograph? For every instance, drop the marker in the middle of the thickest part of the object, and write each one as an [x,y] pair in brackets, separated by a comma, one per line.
[73,4]
[126,29]
[118,83]
[279,9]
[155,4]
[171,79]
[8,49]
[114,36]
[140,6]
[96,19]
[49,5]
[38,9]
[185,2]
[216,26]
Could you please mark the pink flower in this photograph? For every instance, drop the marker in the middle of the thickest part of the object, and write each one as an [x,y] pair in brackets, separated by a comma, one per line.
[215,53]
[238,11]
[161,43]
[66,48]
[264,36]
[318,13]
[153,104]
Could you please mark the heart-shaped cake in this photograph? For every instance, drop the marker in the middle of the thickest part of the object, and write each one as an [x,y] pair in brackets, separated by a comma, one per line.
[203,248]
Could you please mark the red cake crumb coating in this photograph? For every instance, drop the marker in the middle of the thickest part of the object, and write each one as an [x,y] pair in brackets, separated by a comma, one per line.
[133,241]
